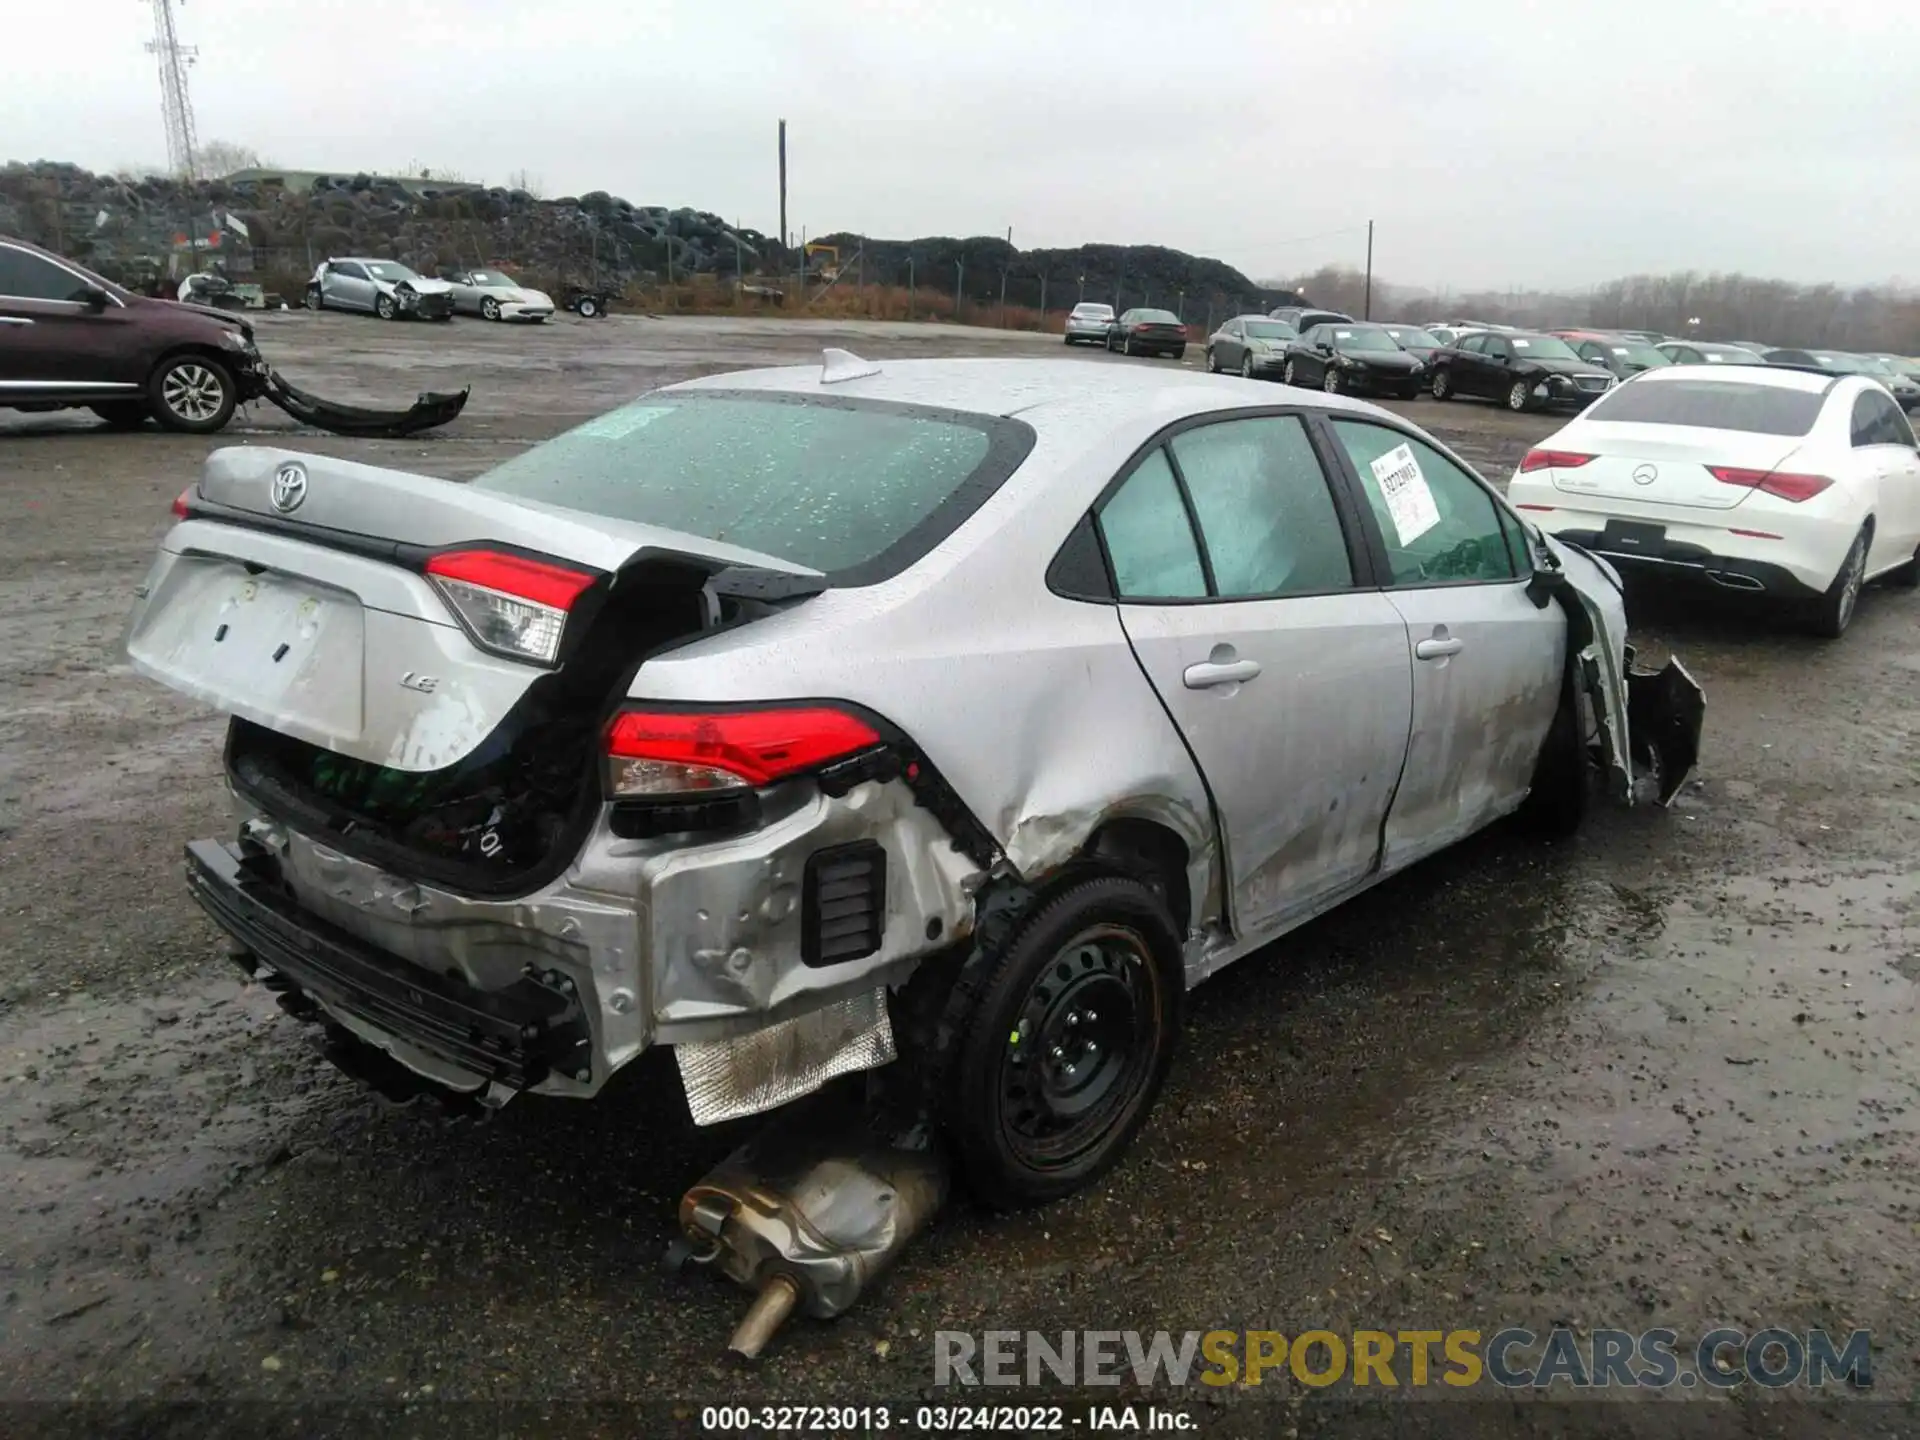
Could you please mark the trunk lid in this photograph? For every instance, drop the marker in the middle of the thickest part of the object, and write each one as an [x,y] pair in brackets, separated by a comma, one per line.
[311,617]
[1664,465]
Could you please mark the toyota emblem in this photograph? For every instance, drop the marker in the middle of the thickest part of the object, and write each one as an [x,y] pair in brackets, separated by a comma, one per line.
[1645,474]
[290,488]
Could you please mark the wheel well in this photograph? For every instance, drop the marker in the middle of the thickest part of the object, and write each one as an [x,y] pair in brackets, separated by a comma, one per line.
[205,352]
[1153,853]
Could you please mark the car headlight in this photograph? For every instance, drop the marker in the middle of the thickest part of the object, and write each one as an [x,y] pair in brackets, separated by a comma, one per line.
[1418,366]
[234,340]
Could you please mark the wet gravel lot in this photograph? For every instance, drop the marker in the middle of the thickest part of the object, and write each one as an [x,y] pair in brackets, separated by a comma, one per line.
[1665,1074]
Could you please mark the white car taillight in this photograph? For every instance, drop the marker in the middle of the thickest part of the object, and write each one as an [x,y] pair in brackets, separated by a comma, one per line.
[509,604]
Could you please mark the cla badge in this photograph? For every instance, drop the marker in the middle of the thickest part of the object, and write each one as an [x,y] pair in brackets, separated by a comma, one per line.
[289,488]
[1645,474]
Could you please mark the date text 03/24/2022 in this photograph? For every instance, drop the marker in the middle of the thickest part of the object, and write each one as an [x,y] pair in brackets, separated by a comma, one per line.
[943,1419]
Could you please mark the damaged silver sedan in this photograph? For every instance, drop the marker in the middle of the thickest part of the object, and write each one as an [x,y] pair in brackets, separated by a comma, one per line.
[965,712]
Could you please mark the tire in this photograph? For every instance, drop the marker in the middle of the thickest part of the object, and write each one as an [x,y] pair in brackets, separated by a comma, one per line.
[1068,339]
[123,414]
[1213,362]
[589,307]
[316,300]
[1833,612]
[1289,375]
[489,308]
[1126,345]
[193,394]
[1519,397]
[1442,385]
[1179,354]
[1246,366]
[1556,802]
[1026,1127]
[1330,380]
[384,307]
[1907,576]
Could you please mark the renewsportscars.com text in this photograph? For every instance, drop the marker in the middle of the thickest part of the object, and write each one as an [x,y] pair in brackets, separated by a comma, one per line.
[1512,1358]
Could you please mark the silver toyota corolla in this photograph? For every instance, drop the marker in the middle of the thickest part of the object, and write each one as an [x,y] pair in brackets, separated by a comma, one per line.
[965,711]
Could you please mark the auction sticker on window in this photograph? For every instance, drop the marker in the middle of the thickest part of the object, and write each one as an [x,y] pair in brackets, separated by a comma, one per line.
[1409,500]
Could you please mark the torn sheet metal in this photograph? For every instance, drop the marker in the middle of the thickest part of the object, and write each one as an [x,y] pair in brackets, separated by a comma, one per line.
[430,410]
[1667,703]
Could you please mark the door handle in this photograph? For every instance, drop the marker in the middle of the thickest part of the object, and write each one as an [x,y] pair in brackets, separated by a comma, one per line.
[1437,648]
[1209,673]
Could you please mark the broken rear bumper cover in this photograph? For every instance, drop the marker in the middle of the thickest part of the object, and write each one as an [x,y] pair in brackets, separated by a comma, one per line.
[703,947]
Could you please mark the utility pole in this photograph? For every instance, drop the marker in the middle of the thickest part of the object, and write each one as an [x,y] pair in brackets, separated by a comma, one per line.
[1366,309]
[959,279]
[909,287]
[783,190]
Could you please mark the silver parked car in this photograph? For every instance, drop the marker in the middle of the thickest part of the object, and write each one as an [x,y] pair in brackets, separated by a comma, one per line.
[992,706]
[378,287]
[1251,344]
[496,295]
[1088,323]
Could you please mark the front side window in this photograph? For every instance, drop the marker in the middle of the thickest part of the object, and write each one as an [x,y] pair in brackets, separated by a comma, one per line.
[1496,346]
[1439,524]
[830,485]
[1265,511]
[1149,538]
[1473,344]
[26,276]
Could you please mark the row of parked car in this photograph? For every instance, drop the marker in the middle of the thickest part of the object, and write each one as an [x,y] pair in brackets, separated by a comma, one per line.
[394,291]
[1523,369]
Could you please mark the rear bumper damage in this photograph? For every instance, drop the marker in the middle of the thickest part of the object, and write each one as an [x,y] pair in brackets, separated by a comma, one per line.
[703,947]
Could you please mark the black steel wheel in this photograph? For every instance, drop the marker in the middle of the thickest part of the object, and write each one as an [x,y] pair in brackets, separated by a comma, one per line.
[1066,1044]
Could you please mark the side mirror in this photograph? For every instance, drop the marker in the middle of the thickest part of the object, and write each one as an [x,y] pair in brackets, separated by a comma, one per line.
[94,298]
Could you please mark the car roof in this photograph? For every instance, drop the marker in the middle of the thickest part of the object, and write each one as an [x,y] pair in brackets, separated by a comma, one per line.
[1059,394]
[1777,377]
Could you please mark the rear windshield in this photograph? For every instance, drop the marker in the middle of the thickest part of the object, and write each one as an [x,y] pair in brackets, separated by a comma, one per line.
[1155,317]
[857,489]
[1712,405]
[1270,330]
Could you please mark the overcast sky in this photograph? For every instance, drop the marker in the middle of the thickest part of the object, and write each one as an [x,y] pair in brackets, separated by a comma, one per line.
[1496,142]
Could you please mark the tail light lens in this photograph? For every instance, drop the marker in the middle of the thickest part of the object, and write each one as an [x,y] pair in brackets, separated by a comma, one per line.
[509,604]
[1774,482]
[1552,460]
[671,753]
[180,503]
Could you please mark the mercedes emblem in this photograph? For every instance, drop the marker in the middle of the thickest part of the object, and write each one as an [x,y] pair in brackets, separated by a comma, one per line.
[1645,474]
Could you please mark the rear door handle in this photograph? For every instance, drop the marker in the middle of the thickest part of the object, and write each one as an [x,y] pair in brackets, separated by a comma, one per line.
[1209,673]
[1437,649]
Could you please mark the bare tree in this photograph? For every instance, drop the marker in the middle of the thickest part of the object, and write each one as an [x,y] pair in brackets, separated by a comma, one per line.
[223,157]
[534,185]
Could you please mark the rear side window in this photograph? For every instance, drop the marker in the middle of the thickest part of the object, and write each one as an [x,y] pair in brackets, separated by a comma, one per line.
[856,489]
[1878,421]
[1264,508]
[1149,538]
[1712,405]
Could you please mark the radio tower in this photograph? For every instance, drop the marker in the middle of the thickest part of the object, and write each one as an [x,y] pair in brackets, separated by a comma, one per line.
[182,157]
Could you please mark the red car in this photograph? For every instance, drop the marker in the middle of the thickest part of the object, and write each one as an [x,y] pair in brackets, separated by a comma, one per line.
[70,338]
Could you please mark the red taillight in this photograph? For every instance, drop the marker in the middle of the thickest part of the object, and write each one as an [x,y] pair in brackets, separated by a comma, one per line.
[1774,482]
[672,753]
[1552,460]
[536,580]
[180,503]
[510,604]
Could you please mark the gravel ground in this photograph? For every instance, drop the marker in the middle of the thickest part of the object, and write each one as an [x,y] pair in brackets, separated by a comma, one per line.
[1662,1075]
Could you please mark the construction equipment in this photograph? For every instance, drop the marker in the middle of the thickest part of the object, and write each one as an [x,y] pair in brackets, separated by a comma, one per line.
[823,263]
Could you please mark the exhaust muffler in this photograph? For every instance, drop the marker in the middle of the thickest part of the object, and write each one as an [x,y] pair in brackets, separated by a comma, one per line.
[807,1215]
